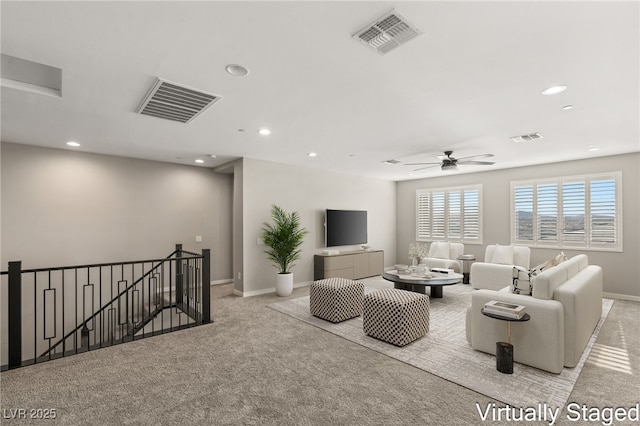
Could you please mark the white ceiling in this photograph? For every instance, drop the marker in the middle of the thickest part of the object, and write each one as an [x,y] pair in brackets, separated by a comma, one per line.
[468,83]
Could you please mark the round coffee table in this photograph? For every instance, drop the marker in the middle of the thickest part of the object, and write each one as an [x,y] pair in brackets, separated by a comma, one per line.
[419,284]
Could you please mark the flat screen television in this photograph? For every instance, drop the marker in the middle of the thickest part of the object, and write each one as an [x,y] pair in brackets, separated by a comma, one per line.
[345,227]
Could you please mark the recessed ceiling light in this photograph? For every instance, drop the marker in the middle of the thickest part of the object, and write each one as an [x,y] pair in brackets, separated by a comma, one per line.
[566,107]
[213,156]
[72,143]
[553,90]
[264,132]
[237,70]
[199,161]
[592,148]
[312,154]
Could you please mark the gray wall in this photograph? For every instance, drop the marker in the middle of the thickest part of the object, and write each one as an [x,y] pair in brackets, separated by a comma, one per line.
[621,270]
[61,207]
[309,192]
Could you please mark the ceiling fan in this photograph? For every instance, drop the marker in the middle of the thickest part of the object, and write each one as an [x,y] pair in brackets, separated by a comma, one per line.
[449,163]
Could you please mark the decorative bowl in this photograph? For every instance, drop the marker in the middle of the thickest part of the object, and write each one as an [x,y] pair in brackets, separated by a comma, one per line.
[401,268]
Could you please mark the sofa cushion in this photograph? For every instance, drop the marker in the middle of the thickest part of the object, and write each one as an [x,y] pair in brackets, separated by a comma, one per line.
[503,255]
[440,249]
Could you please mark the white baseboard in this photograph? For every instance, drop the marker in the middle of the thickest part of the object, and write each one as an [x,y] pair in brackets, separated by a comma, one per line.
[621,297]
[220,282]
[268,290]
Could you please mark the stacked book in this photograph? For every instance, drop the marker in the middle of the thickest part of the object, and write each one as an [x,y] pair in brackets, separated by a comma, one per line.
[504,309]
[442,270]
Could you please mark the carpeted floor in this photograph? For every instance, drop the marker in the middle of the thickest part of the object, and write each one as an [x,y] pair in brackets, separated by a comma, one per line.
[256,366]
[444,351]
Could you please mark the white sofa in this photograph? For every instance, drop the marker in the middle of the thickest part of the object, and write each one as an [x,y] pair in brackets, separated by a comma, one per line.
[496,270]
[444,255]
[565,307]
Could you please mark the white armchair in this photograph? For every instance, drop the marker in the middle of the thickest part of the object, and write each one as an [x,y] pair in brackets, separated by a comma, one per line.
[444,255]
[496,271]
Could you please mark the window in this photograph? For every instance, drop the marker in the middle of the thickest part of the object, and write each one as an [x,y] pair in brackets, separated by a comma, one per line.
[569,212]
[452,214]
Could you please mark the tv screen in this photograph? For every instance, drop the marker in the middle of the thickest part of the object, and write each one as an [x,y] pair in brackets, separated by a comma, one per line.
[346,227]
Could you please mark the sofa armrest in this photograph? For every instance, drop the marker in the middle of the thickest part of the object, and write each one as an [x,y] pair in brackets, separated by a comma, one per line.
[490,276]
[581,298]
[538,342]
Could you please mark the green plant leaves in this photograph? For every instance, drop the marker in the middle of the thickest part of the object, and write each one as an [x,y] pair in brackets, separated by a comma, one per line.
[283,238]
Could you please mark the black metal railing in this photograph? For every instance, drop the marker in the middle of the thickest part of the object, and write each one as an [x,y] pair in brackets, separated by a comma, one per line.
[54,312]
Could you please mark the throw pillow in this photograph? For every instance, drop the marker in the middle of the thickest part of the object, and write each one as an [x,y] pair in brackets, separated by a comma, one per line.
[522,282]
[555,261]
[503,255]
[442,249]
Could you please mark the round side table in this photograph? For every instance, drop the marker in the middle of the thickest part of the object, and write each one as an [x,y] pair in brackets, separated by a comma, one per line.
[467,260]
[504,350]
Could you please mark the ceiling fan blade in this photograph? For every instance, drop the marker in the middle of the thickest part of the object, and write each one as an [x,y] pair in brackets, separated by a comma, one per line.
[428,167]
[476,156]
[477,163]
[419,164]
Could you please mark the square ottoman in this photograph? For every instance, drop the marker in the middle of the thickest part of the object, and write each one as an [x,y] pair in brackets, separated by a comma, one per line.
[336,299]
[396,316]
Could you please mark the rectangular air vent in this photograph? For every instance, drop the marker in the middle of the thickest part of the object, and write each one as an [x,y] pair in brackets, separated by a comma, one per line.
[526,138]
[172,101]
[387,32]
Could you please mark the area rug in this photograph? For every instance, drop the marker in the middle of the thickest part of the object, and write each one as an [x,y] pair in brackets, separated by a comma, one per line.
[444,352]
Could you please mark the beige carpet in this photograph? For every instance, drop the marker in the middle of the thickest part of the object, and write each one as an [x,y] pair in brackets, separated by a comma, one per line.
[446,353]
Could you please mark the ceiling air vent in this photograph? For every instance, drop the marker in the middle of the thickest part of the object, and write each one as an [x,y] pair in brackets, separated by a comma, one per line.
[174,102]
[387,32]
[526,138]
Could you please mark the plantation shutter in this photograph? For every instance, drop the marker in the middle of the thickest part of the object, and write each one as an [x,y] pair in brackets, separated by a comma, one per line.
[438,219]
[523,213]
[602,212]
[573,209]
[423,214]
[454,216]
[572,212]
[471,215]
[547,212]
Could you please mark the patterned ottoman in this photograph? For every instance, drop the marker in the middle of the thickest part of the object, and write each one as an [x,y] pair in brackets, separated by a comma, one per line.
[336,299]
[396,316]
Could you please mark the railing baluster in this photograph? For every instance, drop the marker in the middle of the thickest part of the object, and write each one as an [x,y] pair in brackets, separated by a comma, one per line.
[64,340]
[75,302]
[14,321]
[206,286]
[35,317]
[188,294]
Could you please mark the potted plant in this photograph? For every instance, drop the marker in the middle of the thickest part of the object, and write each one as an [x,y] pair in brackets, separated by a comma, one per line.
[283,239]
[416,252]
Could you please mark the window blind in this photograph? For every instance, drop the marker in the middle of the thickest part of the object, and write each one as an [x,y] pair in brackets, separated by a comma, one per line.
[571,212]
[453,214]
